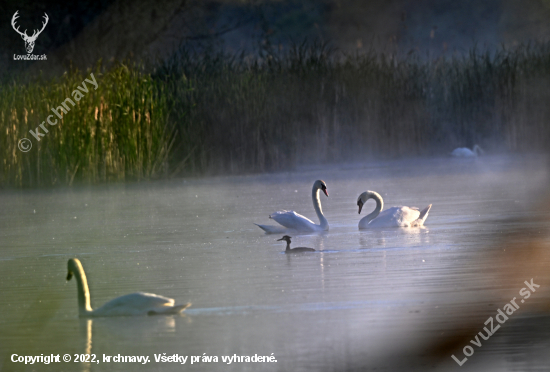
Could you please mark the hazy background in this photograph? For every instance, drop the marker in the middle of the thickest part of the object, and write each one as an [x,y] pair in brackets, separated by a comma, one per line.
[229,87]
[85,31]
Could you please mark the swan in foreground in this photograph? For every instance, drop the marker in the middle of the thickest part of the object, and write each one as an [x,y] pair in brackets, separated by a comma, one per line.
[464,152]
[391,217]
[292,221]
[132,304]
[286,238]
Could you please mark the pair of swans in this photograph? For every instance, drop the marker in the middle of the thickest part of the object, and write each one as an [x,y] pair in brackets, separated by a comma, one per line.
[392,217]
[131,304]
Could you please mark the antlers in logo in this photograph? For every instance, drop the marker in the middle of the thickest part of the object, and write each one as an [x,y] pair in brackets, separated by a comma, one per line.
[29,40]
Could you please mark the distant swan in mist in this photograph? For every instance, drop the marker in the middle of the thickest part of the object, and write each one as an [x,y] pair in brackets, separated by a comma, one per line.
[292,221]
[286,238]
[391,217]
[464,152]
[132,304]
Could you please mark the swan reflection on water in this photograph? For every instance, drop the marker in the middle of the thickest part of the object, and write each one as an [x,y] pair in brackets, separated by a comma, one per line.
[391,237]
[124,330]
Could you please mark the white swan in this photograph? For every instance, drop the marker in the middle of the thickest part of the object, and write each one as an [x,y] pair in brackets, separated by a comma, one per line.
[391,217]
[464,152]
[292,221]
[132,304]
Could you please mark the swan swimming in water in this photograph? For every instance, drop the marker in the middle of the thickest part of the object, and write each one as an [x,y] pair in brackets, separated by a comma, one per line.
[292,221]
[464,152]
[286,238]
[131,304]
[391,217]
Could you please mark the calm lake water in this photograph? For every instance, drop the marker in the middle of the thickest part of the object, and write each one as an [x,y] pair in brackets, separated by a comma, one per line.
[361,302]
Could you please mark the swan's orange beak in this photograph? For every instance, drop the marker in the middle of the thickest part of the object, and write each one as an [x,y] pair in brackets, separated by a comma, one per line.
[360,205]
[69,275]
[324,188]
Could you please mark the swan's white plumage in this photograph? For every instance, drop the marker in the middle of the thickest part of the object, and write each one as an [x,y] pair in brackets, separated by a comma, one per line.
[270,229]
[400,216]
[464,152]
[291,221]
[139,303]
[134,304]
[396,217]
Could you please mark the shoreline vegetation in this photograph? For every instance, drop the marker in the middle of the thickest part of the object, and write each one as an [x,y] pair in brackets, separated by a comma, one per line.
[215,113]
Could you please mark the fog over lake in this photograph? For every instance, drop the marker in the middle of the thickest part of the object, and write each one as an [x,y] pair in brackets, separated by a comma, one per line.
[361,295]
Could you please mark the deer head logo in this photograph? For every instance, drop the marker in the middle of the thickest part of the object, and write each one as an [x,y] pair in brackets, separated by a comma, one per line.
[29,40]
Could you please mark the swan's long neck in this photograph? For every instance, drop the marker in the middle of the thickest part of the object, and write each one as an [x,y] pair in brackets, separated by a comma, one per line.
[287,245]
[477,150]
[317,205]
[379,205]
[84,307]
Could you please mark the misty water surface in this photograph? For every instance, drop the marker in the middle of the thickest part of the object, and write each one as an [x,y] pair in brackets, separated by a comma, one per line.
[361,299]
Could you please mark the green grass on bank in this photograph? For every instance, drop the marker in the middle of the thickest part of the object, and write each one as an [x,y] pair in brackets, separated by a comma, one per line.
[217,113]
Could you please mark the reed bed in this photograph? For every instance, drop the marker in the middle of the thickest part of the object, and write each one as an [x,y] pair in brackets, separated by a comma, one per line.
[211,113]
[312,105]
[118,132]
